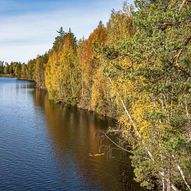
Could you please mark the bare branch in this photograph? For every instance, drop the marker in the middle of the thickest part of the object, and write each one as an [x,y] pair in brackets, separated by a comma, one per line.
[117,145]
[181,6]
[178,55]
[161,173]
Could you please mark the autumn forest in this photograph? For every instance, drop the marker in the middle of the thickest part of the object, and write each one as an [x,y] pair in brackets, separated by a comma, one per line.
[135,69]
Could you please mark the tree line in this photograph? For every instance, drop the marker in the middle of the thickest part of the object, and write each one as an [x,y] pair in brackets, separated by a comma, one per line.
[136,69]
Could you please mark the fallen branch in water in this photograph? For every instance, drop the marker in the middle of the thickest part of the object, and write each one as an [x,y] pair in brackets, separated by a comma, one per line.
[161,173]
[117,145]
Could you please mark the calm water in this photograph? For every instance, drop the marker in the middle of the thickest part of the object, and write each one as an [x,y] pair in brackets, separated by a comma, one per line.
[46,146]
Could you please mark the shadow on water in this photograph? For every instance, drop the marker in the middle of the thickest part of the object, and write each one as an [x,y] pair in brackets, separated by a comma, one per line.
[48,146]
[75,138]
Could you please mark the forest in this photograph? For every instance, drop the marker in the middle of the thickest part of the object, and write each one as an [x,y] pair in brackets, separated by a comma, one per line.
[136,69]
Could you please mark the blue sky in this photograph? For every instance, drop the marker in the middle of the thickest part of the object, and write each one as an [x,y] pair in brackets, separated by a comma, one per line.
[28,27]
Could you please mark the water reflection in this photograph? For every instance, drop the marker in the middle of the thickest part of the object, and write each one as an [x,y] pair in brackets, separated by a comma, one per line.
[74,134]
[47,146]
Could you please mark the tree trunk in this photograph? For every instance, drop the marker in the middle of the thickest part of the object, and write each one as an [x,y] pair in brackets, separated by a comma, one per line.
[139,136]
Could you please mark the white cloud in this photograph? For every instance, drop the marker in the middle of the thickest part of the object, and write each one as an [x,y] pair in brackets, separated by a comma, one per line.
[22,52]
[23,36]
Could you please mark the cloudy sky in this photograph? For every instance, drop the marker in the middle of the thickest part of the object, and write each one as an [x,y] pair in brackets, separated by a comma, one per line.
[28,27]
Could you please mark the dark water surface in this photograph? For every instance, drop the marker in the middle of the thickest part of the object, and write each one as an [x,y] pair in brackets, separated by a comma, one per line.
[46,146]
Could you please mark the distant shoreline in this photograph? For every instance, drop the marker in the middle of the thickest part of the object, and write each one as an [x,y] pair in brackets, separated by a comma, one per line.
[10,76]
[7,76]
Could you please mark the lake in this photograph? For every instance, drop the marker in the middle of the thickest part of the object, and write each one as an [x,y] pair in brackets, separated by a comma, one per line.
[48,146]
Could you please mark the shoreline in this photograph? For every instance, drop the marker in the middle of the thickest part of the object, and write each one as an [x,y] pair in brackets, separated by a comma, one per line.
[7,76]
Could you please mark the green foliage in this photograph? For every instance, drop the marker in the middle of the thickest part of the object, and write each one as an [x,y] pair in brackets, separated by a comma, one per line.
[62,71]
[136,69]
[159,58]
